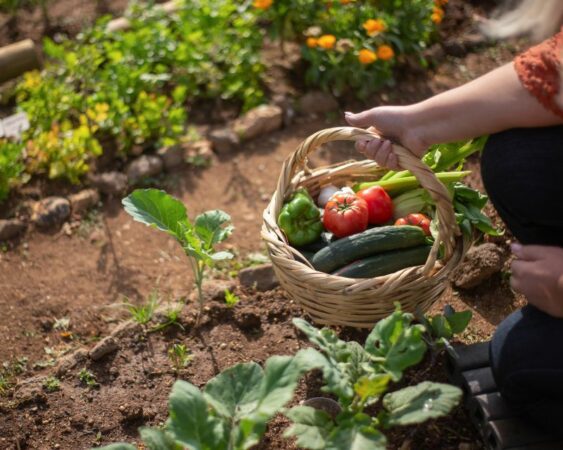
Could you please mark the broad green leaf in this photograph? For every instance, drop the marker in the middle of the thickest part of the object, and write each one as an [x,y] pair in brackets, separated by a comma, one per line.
[209,226]
[325,339]
[234,392]
[372,386]
[156,208]
[416,404]
[118,446]
[385,333]
[190,421]
[155,439]
[356,433]
[310,426]
[441,327]
[406,352]
[459,320]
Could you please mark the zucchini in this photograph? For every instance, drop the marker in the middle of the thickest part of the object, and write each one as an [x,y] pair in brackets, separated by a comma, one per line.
[385,263]
[370,242]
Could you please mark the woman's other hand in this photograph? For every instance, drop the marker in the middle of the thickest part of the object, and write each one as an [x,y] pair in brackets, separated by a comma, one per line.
[538,274]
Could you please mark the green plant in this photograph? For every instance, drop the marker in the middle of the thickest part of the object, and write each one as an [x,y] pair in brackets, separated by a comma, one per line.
[231,299]
[143,313]
[158,209]
[360,377]
[5,384]
[61,324]
[51,384]
[232,411]
[180,356]
[11,166]
[86,377]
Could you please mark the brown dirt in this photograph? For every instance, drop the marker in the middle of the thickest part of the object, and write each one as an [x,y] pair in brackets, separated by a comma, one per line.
[85,277]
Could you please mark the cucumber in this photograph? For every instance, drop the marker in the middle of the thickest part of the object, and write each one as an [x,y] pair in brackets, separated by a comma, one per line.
[313,246]
[368,243]
[385,263]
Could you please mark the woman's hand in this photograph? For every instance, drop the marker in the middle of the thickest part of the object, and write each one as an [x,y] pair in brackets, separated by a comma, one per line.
[392,123]
[538,274]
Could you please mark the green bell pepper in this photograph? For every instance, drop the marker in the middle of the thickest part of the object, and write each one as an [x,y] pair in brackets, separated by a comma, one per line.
[300,219]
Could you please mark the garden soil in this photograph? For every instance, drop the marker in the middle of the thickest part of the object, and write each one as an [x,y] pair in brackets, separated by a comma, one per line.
[86,275]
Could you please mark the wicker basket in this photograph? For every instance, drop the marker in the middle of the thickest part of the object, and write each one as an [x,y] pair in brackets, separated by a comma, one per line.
[336,300]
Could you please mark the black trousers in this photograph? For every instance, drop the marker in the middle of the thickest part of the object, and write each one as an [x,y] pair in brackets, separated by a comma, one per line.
[523,174]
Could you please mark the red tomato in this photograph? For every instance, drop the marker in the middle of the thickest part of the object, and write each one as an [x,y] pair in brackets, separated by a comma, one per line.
[418,220]
[345,214]
[380,206]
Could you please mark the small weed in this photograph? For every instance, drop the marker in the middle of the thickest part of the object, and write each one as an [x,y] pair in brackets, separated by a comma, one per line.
[143,313]
[5,384]
[62,324]
[171,317]
[231,299]
[89,223]
[52,384]
[179,356]
[199,161]
[86,377]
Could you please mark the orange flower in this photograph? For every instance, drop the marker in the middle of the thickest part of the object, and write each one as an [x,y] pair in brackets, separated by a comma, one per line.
[437,10]
[385,52]
[366,56]
[312,42]
[440,2]
[345,2]
[326,41]
[374,26]
[262,4]
[436,18]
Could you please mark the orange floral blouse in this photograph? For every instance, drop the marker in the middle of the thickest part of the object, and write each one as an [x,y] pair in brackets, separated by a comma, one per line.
[539,71]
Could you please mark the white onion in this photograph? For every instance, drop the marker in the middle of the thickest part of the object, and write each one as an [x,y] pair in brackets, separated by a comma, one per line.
[326,192]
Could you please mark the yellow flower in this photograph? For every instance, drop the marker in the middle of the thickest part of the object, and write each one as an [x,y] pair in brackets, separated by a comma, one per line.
[312,42]
[367,56]
[385,52]
[436,18]
[326,41]
[262,4]
[374,26]
[31,79]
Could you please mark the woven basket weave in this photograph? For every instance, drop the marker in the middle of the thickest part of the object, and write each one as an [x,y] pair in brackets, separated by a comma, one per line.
[335,300]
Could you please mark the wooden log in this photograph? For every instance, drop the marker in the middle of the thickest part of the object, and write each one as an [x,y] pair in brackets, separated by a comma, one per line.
[122,23]
[18,58]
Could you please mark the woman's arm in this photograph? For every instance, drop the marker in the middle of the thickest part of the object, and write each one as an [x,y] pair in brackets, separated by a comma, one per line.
[494,102]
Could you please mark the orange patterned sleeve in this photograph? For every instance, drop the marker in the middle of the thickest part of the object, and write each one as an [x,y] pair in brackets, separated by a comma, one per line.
[538,69]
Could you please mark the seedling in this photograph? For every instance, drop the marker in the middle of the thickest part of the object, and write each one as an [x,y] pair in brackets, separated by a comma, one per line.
[86,377]
[179,356]
[4,384]
[143,313]
[52,384]
[160,210]
[231,299]
[172,317]
[61,324]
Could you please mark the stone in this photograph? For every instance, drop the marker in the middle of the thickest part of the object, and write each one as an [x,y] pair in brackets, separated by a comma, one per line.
[50,212]
[106,346]
[480,263]
[198,153]
[325,404]
[215,289]
[317,102]
[84,200]
[258,121]
[10,228]
[31,391]
[70,361]
[110,183]
[172,156]
[261,277]
[224,140]
[131,413]
[144,166]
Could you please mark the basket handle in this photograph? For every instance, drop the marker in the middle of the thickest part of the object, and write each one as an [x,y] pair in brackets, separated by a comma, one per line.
[447,226]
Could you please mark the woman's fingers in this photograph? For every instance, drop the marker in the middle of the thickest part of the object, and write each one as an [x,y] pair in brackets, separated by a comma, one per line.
[380,150]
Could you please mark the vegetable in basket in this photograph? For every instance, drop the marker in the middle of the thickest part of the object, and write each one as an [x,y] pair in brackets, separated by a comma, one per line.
[416,219]
[345,214]
[300,219]
[380,206]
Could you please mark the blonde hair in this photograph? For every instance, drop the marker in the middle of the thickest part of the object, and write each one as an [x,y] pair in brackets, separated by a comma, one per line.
[538,19]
